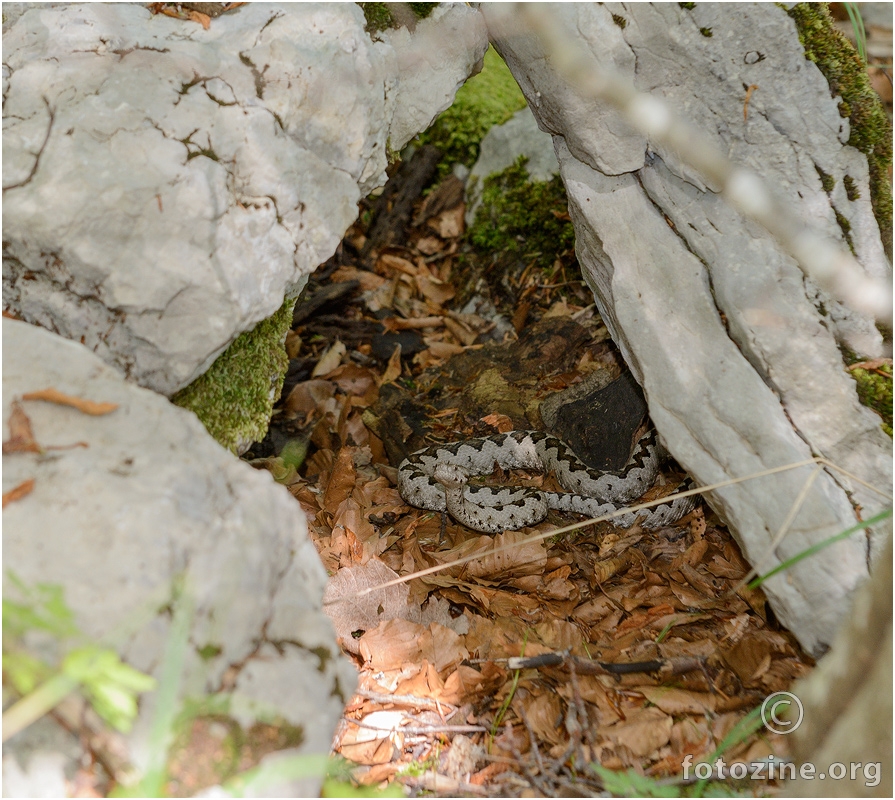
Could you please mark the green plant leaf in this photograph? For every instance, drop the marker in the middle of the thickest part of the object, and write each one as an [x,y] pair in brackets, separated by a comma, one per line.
[810,551]
[632,784]
[24,671]
[276,770]
[110,685]
[42,608]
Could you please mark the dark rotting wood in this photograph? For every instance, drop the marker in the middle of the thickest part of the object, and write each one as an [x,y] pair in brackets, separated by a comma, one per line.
[394,207]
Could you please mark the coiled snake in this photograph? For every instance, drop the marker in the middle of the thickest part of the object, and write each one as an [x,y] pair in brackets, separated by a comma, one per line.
[436,478]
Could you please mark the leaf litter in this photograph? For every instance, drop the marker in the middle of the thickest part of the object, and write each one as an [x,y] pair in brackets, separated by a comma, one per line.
[438,705]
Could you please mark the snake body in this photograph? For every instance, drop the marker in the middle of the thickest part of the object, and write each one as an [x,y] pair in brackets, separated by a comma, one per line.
[436,478]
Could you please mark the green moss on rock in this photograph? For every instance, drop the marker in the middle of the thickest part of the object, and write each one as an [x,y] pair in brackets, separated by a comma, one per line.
[870,130]
[520,216]
[827,181]
[851,188]
[485,100]
[875,391]
[234,398]
[380,16]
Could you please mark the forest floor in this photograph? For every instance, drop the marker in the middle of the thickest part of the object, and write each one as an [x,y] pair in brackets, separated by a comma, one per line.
[638,648]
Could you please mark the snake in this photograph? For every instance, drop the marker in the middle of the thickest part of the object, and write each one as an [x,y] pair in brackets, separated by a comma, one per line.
[437,478]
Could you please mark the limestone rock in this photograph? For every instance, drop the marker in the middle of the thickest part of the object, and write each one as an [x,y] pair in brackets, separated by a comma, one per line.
[166,186]
[149,498]
[736,351]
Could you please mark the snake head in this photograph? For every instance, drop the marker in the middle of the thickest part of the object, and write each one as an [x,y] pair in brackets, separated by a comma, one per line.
[450,476]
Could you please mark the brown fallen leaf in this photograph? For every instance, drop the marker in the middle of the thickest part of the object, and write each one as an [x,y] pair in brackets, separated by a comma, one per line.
[21,437]
[84,406]
[393,370]
[23,489]
[203,19]
[342,480]
[874,364]
[644,731]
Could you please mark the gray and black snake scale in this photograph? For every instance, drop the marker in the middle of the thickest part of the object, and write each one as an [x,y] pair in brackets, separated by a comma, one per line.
[436,478]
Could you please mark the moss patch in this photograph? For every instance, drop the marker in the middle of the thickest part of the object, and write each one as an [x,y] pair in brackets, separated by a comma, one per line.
[380,16]
[234,398]
[523,217]
[871,132]
[485,100]
[875,391]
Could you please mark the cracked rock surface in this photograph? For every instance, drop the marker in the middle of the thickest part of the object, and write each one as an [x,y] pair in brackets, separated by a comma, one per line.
[737,352]
[166,186]
[152,497]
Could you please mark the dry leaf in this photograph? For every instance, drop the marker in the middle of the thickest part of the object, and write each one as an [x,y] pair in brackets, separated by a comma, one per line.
[22,490]
[84,406]
[203,19]
[435,291]
[543,713]
[392,644]
[375,751]
[518,556]
[393,370]
[21,437]
[363,540]
[310,396]
[387,261]
[500,422]
[678,701]
[443,647]
[449,224]
[462,684]
[350,612]
[429,245]
[369,281]
[443,349]
[424,682]
[329,360]
[644,731]
[356,381]
[293,344]
[341,481]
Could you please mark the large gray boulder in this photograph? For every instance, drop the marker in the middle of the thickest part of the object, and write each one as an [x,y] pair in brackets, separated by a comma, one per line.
[165,186]
[149,499]
[736,350]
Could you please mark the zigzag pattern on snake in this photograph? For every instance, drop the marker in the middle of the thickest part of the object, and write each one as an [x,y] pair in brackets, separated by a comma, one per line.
[436,478]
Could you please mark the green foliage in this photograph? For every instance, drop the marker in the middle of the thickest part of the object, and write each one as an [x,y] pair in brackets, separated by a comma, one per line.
[109,685]
[875,391]
[485,100]
[857,23]
[42,608]
[870,130]
[234,398]
[631,784]
[523,217]
[816,548]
